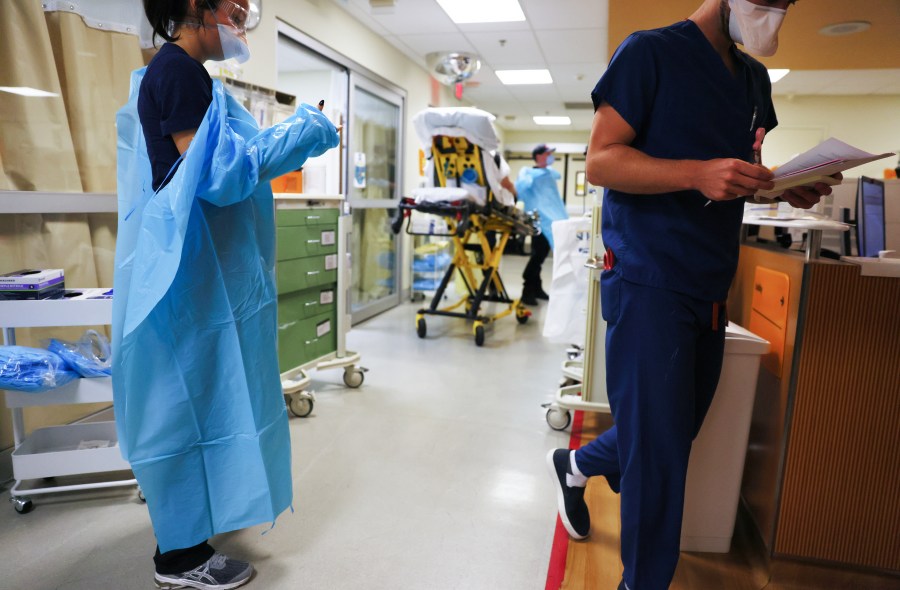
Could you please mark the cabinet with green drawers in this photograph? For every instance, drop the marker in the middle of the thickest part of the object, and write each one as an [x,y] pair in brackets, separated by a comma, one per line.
[307,278]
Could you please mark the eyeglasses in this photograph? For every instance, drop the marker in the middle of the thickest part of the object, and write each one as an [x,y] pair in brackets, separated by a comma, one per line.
[236,14]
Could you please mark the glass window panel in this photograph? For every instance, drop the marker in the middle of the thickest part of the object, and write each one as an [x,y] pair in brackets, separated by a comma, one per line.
[374,255]
[373,147]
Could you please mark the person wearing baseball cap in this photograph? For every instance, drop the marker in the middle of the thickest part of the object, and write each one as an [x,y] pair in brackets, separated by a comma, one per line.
[538,190]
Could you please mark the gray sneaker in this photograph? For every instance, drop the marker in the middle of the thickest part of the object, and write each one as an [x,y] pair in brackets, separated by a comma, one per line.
[219,573]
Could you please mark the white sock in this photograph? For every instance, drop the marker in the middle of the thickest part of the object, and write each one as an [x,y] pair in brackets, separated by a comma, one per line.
[576,479]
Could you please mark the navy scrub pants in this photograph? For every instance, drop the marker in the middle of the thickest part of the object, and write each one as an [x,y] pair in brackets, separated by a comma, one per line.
[663,356]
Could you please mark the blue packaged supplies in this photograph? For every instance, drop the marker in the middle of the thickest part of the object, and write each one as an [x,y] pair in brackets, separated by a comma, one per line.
[88,357]
[32,370]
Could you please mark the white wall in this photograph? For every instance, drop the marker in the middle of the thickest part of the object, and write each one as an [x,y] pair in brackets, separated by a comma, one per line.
[871,123]
[326,22]
[332,26]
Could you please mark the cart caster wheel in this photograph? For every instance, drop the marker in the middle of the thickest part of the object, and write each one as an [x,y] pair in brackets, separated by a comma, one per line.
[22,505]
[141,496]
[353,378]
[301,404]
[421,328]
[479,335]
[558,419]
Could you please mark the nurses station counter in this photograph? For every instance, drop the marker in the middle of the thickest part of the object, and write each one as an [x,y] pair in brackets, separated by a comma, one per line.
[822,474]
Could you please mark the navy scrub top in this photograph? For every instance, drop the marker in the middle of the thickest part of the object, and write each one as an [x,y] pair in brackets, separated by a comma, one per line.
[175,94]
[678,95]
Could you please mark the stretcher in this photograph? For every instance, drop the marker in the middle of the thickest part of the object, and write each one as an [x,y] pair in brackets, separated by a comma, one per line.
[478,215]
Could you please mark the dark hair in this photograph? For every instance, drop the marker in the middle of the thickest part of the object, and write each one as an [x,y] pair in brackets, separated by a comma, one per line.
[161,13]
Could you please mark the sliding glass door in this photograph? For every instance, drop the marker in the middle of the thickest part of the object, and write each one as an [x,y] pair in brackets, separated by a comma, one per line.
[375,176]
[366,169]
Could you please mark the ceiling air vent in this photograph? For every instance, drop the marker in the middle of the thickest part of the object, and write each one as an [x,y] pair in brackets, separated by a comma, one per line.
[382,6]
[579,106]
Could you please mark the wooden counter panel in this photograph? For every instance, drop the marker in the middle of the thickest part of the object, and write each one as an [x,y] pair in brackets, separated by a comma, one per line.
[767,431]
[841,490]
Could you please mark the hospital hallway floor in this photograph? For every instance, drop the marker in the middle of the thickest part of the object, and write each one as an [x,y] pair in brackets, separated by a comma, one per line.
[431,476]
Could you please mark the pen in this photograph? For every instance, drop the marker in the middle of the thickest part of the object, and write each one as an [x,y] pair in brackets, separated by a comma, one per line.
[757,156]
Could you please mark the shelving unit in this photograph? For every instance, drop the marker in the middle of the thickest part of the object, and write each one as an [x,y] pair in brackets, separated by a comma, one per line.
[72,449]
[313,279]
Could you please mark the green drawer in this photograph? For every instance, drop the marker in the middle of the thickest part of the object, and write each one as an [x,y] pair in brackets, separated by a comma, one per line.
[304,241]
[304,273]
[306,304]
[324,335]
[295,217]
[300,342]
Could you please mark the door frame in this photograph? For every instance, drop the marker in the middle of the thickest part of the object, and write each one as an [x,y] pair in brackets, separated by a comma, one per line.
[372,82]
[362,82]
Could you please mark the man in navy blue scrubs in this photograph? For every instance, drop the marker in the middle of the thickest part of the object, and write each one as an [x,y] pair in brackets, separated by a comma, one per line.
[680,116]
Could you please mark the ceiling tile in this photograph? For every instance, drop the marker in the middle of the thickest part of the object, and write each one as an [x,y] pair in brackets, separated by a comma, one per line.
[542,93]
[565,14]
[423,44]
[575,92]
[585,74]
[521,50]
[585,45]
[412,17]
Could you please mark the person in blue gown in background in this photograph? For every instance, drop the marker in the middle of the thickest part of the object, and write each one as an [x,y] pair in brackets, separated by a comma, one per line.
[537,189]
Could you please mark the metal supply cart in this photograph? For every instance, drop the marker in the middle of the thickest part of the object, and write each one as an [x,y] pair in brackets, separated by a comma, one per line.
[72,449]
[583,385]
[313,278]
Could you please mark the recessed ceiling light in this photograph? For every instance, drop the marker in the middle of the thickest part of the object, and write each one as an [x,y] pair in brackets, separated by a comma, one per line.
[847,28]
[552,120]
[478,11]
[776,75]
[26,91]
[514,77]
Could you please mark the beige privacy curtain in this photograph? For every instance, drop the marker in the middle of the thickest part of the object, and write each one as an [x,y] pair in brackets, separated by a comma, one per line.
[64,142]
[60,143]
[94,69]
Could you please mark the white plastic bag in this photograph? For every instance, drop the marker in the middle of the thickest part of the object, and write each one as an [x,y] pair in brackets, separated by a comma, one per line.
[566,318]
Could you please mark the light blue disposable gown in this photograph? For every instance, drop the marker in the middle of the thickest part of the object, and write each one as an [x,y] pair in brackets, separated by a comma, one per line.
[537,190]
[198,400]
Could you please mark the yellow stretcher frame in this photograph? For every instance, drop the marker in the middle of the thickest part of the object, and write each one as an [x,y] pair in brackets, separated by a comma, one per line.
[468,227]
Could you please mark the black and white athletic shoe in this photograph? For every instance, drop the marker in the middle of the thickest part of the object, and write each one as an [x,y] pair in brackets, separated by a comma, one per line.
[218,573]
[570,499]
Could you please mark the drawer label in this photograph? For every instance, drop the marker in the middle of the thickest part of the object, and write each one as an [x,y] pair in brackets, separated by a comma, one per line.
[331,262]
[323,328]
[326,297]
[328,238]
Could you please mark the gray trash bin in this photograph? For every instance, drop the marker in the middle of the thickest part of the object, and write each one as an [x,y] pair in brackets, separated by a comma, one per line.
[717,457]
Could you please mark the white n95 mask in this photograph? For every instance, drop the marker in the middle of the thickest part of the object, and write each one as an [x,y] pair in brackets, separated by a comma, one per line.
[755,27]
[232,45]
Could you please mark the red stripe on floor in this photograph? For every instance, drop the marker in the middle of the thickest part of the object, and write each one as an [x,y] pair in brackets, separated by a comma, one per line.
[556,572]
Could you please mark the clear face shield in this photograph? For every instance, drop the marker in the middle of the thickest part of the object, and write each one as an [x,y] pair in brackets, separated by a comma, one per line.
[235,15]
[232,32]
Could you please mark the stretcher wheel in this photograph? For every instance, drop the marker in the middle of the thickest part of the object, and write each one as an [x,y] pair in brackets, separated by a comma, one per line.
[301,405]
[479,335]
[22,505]
[522,315]
[353,378]
[421,328]
[558,419]
[141,496]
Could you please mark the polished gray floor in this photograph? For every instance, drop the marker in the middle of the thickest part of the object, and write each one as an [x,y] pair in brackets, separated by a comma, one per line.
[430,476]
